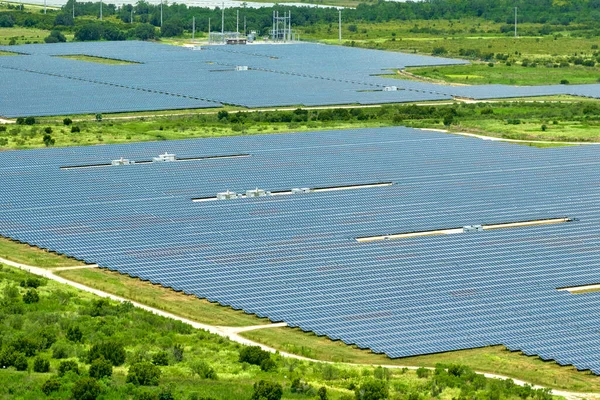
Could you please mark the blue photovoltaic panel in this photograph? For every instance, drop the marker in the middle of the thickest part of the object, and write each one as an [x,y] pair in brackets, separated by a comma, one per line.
[38,82]
[294,258]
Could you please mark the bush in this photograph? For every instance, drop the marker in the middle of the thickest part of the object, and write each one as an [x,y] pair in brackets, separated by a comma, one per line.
[31,283]
[352,28]
[160,358]
[322,393]
[74,334]
[253,355]
[264,390]
[20,121]
[31,296]
[203,370]
[75,129]
[60,351]
[439,51]
[490,64]
[372,390]
[100,368]
[48,140]
[513,121]
[544,127]
[111,351]
[20,362]
[51,385]
[422,372]
[89,31]
[86,389]
[564,82]
[67,121]
[55,37]
[41,365]
[144,373]
[268,365]
[66,366]
[29,121]
[448,120]
[178,353]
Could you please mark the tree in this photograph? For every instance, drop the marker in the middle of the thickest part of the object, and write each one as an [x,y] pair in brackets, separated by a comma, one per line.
[55,37]
[31,296]
[268,365]
[322,393]
[144,32]
[144,373]
[90,31]
[6,21]
[111,351]
[265,390]
[66,366]
[86,389]
[64,19]
[67,121]
[372,390]
[75,129]
[100,368]
[29,121]
[172,27]
[253,355]
[221,115]
[74,334]
[48,141]
[41,365]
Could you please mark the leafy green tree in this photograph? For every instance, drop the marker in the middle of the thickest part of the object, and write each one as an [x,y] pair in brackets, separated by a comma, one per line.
[30,121]
[322,393]
[64,19]
[89,31]
[31,296]
[48,141]
[144,32]
[268,365]
[172,27]
[178,352]
[253,355]
[55,36]
[100,368]
[66,366]
[75,129]
[144,374]
[8,355]
[265,390]
[41,365]
[86,389]
[111,351]
[31,283]
[372,390]
[67,121]
[51,385]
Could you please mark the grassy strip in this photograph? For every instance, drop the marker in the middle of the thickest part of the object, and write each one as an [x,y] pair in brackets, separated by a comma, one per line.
[98,60]
[495,359]
[158,296]
[479,74]
[28,255]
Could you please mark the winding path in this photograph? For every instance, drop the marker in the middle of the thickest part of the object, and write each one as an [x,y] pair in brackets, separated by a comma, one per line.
[233,333]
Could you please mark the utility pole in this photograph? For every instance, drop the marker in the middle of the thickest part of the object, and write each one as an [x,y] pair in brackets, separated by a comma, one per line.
[193,28]
[244,25]
[223,21]
[515,21]
[73,9]
[100,10]
[44,7]
[131,18]
[340,26]
[237,21]
[161,13]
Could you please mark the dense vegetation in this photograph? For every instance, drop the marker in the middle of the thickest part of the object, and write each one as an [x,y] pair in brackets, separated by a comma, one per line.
[56,342]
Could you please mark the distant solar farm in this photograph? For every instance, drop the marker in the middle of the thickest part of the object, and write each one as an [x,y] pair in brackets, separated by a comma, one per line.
[328,231]
[37,82]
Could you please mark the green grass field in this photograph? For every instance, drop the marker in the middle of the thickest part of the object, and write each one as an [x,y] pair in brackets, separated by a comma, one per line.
[22,35]
[28,255]
[98,60]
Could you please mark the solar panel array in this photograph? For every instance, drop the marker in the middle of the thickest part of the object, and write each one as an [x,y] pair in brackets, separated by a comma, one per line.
[294,258]
[168,77]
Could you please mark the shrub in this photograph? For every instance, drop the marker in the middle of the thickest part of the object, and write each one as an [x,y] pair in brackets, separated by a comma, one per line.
[20,362]
[564,82]
[48,129]
[31,283]
[7,357]
[86,389]
[143,373]
[31,296]
[322,393]
[67,121]
[48,140]
[352,28]
[422,372]
[111,351]
[29,121]
[66,366]
[514,121]
[268,365]
[372,390]
[74,334]
[100,368]
[51,385]
[75,129]
[544,127]
[178,353]
[487,111]
[253,355]
[490,64]
[439,51]
[160,358]
[60,350]
[203,370]
[448,120]
[41,365]
[20,121]
[264,390]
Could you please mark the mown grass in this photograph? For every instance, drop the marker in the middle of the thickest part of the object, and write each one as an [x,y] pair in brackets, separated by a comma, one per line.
[187,306]
[494,359]
[33,256]
[98,60]
[22,35]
